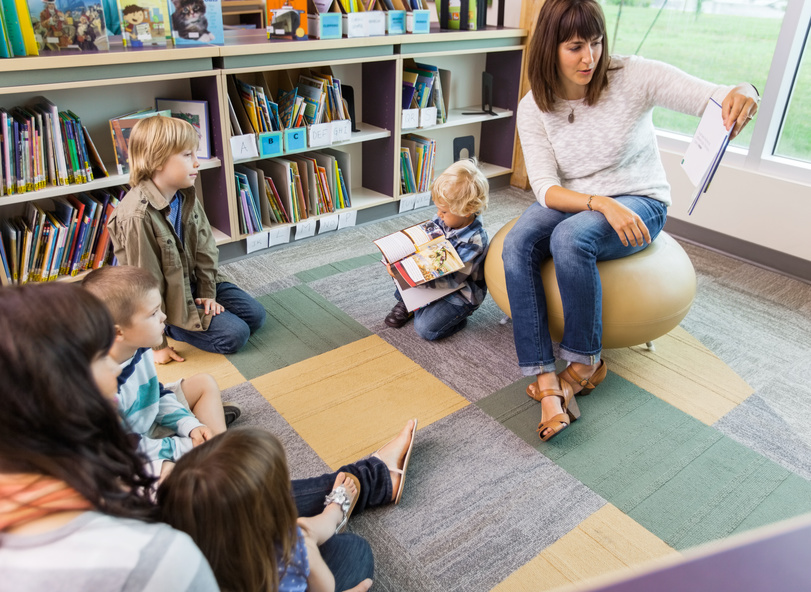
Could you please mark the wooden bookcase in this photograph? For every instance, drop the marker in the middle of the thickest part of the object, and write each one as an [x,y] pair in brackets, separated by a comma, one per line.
[104,85]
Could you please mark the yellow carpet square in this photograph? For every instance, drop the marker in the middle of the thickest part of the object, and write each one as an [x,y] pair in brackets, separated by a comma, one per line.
[348,402]
[605,542]
[198,361]
[683,373]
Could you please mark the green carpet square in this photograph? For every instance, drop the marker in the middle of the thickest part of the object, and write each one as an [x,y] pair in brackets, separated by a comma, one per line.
[317,273]
[684,481]
[300,324]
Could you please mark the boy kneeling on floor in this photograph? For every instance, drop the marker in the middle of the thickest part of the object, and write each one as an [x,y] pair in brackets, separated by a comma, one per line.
[460,194]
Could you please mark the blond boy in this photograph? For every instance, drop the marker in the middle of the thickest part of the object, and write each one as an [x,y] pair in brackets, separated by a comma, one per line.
[160,225]
[460,194]
[169,420]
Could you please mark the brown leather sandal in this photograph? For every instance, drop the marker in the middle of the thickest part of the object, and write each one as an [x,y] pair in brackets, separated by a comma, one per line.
[588,384]
[552,427]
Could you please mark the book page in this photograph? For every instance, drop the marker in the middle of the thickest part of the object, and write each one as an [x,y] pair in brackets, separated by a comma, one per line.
[710,139]
[395,246]
[424,232]
[432,262]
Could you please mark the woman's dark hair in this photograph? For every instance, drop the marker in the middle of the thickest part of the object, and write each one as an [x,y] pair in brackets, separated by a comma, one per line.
[558,22]
[53,419]
[232,495]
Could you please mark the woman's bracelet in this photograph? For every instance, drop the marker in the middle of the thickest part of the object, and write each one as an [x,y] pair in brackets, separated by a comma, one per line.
[588,203]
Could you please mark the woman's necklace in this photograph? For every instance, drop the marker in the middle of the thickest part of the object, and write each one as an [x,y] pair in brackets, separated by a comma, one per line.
[571,115]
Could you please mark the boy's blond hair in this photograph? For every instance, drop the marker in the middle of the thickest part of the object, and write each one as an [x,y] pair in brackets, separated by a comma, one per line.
[122,289]
[463,188]
[153,140]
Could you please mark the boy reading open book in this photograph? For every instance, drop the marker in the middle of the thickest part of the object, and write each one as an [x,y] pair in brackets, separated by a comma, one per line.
[438,265]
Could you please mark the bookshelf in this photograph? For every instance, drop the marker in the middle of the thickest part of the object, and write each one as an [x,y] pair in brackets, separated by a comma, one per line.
[102,85]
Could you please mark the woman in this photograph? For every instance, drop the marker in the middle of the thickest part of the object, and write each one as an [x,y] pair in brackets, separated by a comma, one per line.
[589,143]
[74,507]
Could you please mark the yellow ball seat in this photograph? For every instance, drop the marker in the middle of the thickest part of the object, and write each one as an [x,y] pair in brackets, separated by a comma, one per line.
[645,295]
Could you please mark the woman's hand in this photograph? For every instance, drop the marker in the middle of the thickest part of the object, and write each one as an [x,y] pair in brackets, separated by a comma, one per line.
[739,107]
[210,306]
[627,223]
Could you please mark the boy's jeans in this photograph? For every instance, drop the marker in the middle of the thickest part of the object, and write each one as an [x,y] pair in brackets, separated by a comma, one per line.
[228,331]
[576,241]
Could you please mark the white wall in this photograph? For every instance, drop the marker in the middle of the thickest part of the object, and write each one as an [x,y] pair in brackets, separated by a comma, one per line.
[765,210]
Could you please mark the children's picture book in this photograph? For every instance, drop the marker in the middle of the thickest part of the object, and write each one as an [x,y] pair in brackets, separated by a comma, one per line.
[197,22]
[143,22]
[287,19]
[419,254]
[61,25]
[196,113]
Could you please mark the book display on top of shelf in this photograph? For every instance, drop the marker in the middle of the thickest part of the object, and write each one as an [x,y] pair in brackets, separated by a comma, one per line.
[61,25]
[144,22]
[196,22]
[287,19]
[194,112]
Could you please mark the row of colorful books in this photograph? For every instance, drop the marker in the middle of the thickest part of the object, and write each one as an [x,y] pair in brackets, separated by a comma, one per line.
[291,189]
[40,145]
[61,239]
[31,27]
[417,155]
[316,98]
[424,86]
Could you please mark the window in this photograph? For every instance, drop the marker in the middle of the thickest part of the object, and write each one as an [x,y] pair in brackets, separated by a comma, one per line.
[722,41]
[795,134]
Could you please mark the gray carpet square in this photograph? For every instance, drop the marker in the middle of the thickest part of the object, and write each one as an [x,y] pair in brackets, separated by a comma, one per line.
[475,362]
[258,412]
[476,495]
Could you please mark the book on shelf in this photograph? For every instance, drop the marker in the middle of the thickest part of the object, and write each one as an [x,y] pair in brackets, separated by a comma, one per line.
[18,30]
[197,22]
[418,154]
[120,129]
[61,25]
[440,94]
[419,254]
[195,113]
[144,22]
[454,14]
[59,237]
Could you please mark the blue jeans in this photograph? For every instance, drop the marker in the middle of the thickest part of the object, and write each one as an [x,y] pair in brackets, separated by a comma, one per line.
[440,318]
[228,331]
[347,555]
[576,241]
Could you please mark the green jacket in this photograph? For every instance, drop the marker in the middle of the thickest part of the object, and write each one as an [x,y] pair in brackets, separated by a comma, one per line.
[143,236]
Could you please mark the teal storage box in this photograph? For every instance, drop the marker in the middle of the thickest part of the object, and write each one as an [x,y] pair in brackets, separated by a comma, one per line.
[295,138]
[326,25]
[418,21]
[395,22]
[270,144]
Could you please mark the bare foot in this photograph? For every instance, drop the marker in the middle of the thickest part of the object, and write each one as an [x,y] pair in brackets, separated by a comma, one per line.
[550,406]
[394,453]
[349,485]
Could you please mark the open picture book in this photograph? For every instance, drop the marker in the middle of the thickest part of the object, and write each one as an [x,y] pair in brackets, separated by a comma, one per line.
[417,255]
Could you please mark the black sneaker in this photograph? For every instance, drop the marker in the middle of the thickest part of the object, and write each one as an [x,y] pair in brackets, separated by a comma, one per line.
[398,316]
[232,412]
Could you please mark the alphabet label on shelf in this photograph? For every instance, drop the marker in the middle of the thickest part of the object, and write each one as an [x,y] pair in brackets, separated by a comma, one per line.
[257,242]
[244,146]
